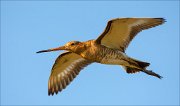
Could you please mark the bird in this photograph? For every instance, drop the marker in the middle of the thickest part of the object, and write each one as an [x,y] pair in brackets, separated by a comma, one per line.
[108,48]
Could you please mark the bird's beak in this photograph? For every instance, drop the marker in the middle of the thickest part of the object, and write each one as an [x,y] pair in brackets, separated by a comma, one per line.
[53,49]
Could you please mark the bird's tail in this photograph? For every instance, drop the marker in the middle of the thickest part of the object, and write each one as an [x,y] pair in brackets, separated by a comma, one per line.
[143,66]
[139,64]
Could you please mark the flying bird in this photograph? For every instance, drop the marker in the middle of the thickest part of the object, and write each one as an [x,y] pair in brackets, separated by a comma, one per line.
[108,48]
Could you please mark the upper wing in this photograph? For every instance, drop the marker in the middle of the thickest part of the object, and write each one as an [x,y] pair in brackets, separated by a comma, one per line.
[119,32]
[64,70]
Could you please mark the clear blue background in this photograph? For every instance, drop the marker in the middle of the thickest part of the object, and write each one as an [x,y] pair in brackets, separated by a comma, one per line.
[29,26]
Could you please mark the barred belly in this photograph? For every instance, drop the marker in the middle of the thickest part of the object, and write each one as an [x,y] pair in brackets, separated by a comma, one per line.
[114,57]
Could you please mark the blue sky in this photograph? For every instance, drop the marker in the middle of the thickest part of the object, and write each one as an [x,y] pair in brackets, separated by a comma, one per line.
[30,26]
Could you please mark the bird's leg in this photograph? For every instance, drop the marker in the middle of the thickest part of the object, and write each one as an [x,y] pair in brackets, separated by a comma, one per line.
[149,72]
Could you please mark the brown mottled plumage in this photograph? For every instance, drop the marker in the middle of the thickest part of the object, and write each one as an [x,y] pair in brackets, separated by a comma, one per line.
[108,48]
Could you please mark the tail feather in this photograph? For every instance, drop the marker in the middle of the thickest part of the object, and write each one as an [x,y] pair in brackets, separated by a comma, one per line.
[137,63]
[141,64]
[130,70]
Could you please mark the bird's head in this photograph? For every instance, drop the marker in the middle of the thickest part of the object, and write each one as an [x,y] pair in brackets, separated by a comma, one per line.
[73,46]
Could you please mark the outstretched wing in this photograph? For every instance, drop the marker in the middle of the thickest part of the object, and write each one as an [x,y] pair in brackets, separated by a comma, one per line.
[119,32]
[64,70]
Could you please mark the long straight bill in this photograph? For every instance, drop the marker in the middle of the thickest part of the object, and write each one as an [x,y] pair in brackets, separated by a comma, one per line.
[53,49]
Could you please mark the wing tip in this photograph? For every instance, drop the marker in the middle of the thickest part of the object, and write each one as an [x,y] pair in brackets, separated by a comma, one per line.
[161,19]
[50,93]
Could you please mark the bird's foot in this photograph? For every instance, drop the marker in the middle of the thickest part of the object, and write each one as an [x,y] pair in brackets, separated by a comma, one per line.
[150,72]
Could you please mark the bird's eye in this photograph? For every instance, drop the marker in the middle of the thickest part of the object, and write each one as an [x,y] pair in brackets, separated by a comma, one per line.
[72,44]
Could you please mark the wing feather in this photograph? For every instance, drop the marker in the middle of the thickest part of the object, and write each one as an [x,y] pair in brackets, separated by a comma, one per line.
[119,32]
[66,67]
